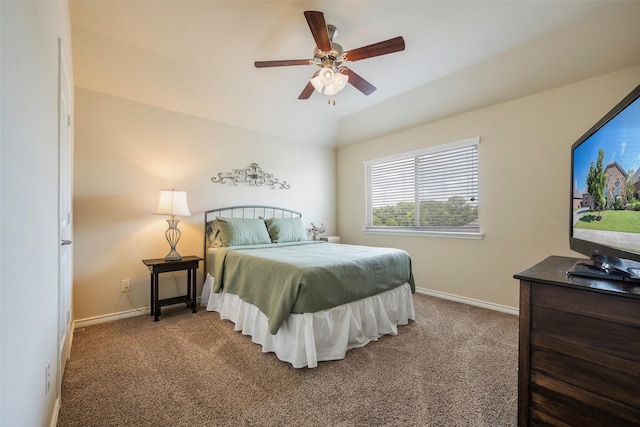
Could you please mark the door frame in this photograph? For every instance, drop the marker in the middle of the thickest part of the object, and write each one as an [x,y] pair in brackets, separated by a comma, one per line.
[65,252]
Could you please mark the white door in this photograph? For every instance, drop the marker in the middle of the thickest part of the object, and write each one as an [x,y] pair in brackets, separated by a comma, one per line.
[64,192]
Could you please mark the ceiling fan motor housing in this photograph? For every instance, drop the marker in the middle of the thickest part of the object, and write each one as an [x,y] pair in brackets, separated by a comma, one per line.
[335,54]
[330,58]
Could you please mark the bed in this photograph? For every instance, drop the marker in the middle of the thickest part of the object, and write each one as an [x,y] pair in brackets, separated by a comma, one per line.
[306,301]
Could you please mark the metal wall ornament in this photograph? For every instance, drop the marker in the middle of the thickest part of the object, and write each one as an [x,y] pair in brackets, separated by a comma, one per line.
[253,175]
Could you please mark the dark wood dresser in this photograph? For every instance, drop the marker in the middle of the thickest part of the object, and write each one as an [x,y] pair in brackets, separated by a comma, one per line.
[579,354]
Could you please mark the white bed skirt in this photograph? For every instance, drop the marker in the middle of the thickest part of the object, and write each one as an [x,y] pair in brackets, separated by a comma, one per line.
[308,338]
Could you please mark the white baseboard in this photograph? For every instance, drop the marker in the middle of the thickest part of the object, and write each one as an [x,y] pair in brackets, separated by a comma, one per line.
[73,328]
[81,323]
[470,301]
[56,412]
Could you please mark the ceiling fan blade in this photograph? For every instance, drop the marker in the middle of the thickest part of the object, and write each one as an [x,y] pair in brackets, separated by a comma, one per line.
[318,28]
[358,82]
[308,89]
[282,63]
[381,48]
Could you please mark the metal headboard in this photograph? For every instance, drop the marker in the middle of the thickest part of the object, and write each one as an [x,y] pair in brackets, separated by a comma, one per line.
[251,211]
[245,211]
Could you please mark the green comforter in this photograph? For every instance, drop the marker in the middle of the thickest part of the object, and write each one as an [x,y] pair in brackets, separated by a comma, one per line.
[306,277]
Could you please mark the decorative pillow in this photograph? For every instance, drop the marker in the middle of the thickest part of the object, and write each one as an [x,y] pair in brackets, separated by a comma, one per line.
[242,231]
[286,230]
[213,234]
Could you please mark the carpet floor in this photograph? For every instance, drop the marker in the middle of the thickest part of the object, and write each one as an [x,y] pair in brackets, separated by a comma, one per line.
[455,365]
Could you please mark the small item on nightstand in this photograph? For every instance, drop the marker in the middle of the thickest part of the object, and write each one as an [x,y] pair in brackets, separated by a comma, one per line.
[315,230]
[331,239]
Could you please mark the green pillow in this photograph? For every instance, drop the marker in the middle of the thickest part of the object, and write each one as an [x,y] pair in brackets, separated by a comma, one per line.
[242,231]
[286,230]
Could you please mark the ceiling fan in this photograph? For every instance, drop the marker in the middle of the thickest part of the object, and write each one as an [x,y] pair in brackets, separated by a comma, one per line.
[329,56]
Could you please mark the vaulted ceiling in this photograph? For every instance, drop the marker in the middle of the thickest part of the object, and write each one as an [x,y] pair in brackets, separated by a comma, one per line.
[197,58]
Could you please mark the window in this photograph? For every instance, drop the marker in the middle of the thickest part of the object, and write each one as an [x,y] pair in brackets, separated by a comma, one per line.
[431,191]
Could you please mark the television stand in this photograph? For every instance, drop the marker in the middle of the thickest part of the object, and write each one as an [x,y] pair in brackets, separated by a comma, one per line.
[579,348]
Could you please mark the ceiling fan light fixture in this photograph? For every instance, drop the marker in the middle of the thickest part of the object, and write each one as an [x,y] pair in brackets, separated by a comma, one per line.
[326,76]
[332,85]
[339,82]
[330,90]
[318,86]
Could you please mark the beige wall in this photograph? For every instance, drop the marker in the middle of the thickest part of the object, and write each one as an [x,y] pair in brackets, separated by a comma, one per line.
[524,187]
[126,152]
[29,236]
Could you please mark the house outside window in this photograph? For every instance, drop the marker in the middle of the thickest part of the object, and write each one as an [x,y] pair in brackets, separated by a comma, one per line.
[433,191]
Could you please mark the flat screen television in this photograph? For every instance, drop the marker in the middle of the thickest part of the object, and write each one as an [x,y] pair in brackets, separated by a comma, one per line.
[605,199]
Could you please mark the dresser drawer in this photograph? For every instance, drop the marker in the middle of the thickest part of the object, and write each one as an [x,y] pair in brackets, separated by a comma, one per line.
[612,308]
[609,344]
[553,402]
[613,384]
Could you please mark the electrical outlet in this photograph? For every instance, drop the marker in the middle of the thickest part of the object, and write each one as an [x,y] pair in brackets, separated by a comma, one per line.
[125,285]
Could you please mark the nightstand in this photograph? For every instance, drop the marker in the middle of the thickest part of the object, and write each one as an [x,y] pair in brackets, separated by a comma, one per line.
[160,265]
[331,239]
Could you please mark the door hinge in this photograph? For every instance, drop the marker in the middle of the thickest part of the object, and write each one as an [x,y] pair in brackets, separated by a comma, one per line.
[68,119]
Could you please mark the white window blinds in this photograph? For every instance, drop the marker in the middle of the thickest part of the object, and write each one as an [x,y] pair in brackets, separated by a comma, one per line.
[431,189]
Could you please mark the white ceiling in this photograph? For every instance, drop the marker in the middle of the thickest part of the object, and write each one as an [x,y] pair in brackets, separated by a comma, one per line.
[196,57]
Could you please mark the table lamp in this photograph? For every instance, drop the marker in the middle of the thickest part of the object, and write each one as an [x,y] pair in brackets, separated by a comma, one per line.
[173,203]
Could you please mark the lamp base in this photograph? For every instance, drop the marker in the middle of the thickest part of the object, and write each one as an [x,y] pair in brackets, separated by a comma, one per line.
[173,235]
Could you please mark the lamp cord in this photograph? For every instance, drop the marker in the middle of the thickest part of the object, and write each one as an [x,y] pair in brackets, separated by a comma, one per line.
[175,280]
[141,310]
[146,307]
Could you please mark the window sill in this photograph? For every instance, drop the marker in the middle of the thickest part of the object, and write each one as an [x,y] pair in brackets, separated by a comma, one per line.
[427,233]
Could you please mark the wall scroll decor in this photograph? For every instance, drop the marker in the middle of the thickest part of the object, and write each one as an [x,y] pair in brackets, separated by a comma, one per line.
[253,175]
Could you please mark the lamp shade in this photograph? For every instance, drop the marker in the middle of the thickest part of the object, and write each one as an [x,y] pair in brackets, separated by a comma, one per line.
[173,203]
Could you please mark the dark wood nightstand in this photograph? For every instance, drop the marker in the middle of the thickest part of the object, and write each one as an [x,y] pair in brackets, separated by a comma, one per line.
[159,265]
